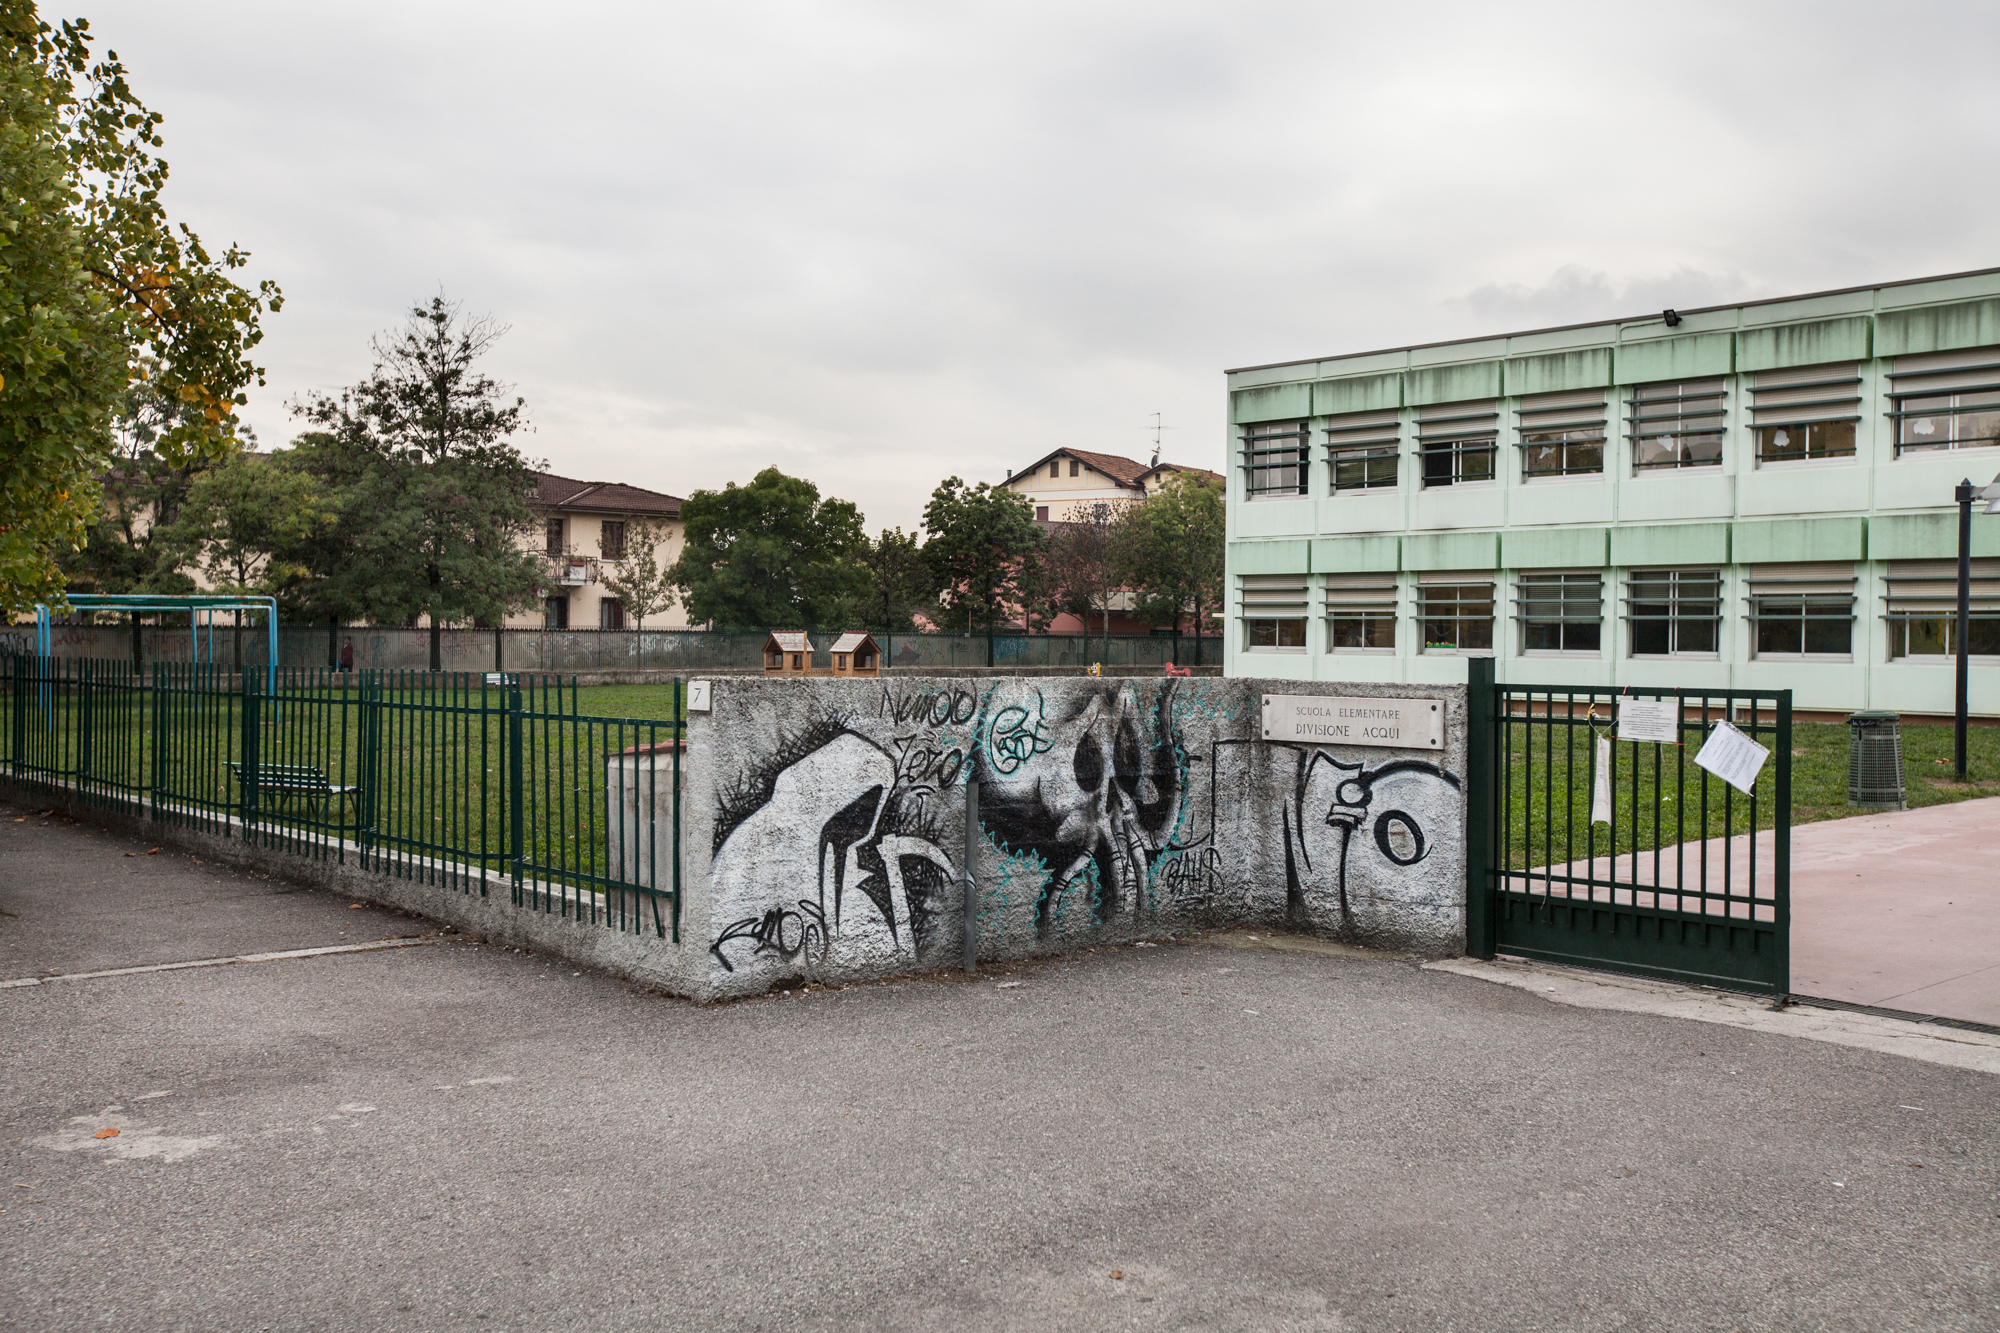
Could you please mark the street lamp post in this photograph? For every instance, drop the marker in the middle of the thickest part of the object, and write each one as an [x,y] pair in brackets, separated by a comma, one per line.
[1965,494]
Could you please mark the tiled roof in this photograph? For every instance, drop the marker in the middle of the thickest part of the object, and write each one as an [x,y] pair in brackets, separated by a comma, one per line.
[605,497]
[1146,478]
[1124,471]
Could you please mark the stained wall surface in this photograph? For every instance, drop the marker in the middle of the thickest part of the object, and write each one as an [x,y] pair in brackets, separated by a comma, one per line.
[831,814]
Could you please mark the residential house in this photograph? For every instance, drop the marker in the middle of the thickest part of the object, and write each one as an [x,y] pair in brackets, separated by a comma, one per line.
[583,530]
[1059,482]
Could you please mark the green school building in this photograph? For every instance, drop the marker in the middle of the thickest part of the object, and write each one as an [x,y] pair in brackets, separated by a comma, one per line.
[1747,496]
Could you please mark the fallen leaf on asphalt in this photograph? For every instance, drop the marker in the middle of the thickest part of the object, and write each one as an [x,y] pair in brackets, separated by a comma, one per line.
[154,852]
[1117,1275]
[110,1133]
[131,853]
[353,907]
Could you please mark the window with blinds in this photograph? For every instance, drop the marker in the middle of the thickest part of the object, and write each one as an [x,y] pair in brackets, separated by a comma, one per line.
[1361,450]
[1275,457]
[1805,412]
[1455,612]
[1560,613]
[1946,400]
[1674,612]
[1676,425]
[1802,610]
[1273,610]
[1920,603]
[1562,434]
[1361,613]
[1457,442]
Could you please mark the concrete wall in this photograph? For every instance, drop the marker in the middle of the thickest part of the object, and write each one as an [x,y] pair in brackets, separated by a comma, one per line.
[823,831]
[832,814]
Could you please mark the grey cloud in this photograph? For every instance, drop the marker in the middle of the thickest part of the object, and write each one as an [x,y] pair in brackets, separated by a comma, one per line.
[881,242]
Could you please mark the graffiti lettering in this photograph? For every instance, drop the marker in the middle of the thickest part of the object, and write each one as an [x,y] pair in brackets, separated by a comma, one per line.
[924,766]
[1192,877]
[937,709]
[780,931]
[1015,737]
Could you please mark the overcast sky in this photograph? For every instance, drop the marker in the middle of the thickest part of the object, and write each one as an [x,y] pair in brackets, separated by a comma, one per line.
[877,244]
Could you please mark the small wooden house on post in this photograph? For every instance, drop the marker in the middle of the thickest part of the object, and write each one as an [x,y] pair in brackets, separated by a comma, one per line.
[856,654]
[788,652]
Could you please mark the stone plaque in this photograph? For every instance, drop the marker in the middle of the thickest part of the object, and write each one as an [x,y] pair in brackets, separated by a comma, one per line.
[700,695]
[1334,719]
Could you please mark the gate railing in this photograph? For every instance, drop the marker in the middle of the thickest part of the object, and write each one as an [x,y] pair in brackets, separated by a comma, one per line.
[450,779]
[1587,849]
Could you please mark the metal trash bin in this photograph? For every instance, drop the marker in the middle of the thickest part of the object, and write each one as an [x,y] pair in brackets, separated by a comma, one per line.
[1875,761]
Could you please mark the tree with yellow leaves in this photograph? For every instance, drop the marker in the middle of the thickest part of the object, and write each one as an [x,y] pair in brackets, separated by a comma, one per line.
[98,291]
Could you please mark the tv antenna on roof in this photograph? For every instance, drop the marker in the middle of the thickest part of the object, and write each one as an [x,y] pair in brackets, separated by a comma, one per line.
[1159,427]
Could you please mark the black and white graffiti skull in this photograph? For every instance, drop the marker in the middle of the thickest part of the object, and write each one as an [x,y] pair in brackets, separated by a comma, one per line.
[1093,791]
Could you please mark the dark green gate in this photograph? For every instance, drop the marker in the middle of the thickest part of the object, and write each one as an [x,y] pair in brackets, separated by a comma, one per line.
[1688,880]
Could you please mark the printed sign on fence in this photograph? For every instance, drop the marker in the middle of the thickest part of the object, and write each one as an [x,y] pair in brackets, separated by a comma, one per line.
[1328,719]
[1650,720]
[1600,784]
[1733,757]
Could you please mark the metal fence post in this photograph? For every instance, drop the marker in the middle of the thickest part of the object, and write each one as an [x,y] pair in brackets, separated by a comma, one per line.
[1781,850]
[86,692]
[368,779]
[18,740]
[971,905]
[251,740]
[1481,795]
[515,768]
[680,744]
[158,779]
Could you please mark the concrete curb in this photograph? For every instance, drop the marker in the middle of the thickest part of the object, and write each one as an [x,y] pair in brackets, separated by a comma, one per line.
[1959,1048]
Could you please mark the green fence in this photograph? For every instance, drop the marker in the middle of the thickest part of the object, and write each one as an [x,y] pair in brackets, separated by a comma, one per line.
[391,648]
[448,778]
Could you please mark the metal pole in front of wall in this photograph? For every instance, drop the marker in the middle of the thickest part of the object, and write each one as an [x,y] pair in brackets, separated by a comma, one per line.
[1964,627]
[971,878]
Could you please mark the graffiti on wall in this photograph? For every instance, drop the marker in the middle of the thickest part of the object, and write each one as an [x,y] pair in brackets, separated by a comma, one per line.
[1104,806]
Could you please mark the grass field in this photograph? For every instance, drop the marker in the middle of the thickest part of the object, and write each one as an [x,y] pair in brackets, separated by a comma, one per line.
[1660,797]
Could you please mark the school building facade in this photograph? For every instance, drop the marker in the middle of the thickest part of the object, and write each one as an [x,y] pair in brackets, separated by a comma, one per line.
[1749,496]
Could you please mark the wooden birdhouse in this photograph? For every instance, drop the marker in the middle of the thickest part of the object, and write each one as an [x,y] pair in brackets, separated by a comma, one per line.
[788,652]
[856,654]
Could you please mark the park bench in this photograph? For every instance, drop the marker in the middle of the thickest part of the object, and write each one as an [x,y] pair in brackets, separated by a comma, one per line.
[294,780]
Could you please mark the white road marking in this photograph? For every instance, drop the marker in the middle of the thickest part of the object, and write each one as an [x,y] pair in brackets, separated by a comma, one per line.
[278,956]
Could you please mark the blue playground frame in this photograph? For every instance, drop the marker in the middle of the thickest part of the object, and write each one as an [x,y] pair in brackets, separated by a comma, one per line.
[197,608]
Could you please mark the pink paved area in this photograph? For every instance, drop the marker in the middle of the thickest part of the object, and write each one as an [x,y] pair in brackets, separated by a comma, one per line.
[1901,910]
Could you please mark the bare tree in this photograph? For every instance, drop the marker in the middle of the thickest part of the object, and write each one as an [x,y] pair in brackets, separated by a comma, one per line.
[1086,557]
[639,581]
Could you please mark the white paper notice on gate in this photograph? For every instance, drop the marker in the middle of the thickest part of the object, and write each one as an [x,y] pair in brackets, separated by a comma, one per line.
[1600,784]
[1733,757]
[1650,720]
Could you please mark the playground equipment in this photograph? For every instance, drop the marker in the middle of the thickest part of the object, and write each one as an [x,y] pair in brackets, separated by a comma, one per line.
[200,611]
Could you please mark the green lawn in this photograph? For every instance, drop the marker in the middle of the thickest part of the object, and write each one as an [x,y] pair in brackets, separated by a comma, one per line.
[653,701]
[1660,797]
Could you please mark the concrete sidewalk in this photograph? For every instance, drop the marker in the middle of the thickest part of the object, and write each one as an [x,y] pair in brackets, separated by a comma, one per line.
[1901,910]
[455,1136]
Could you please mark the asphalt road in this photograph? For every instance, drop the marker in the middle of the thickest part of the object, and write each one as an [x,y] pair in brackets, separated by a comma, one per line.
[458,1136]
